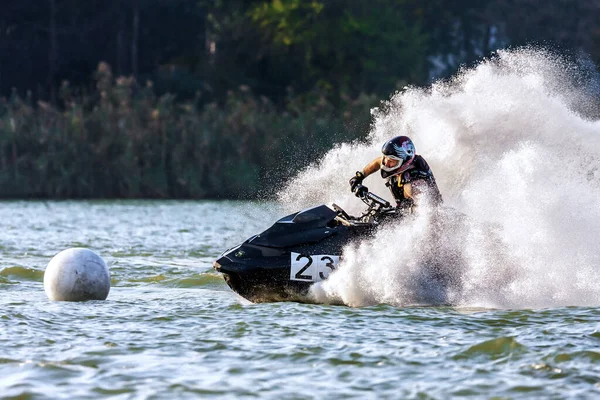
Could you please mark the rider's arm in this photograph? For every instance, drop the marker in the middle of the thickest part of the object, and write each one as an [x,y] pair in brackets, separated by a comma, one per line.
[372,167]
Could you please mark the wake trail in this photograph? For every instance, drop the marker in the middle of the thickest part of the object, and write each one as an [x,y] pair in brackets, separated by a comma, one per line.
[516,155]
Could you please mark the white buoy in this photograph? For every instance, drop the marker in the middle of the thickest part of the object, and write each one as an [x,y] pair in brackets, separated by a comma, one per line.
[77,274]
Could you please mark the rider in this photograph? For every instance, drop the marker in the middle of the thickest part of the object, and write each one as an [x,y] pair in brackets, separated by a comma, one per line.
[408,175]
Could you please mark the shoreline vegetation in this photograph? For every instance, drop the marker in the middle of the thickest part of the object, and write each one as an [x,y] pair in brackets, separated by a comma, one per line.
[122,141]
[227,99]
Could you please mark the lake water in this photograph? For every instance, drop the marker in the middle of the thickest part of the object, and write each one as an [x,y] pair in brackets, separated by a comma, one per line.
[171,328]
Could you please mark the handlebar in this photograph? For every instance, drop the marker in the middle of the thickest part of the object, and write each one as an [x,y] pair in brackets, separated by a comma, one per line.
[371,199]
[378,208]
[376,199]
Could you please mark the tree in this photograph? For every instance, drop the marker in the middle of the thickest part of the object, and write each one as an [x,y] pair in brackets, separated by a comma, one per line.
[571,25]
[343,47]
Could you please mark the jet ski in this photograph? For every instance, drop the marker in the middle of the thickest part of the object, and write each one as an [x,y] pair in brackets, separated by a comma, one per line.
[281,263]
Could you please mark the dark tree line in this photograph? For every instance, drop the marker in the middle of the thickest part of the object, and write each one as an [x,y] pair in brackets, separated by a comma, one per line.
[211,46]
[44,42]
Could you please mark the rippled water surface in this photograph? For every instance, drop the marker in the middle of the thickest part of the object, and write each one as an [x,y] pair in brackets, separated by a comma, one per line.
[171,328]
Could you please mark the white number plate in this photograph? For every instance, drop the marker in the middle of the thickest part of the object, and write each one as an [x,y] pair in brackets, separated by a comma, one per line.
[312,268]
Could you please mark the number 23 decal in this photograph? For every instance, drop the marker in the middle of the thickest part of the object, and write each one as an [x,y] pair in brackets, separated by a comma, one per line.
[312,268]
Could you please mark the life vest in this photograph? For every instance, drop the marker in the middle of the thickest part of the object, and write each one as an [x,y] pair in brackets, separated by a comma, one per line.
[419,170]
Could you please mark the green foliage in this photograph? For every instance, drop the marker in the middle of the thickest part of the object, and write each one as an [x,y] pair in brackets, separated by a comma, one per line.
[124,141]
[336,46]
[245,91]
[345,46]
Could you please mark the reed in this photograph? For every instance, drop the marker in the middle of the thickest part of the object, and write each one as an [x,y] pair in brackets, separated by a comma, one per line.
[123,141]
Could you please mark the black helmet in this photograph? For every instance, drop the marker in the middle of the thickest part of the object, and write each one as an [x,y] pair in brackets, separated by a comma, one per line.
[398,156]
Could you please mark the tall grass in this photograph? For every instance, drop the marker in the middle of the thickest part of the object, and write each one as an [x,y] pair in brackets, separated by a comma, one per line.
[123,141]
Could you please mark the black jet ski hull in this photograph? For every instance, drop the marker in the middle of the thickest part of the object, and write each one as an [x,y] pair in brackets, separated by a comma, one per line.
[281,263]
[279,274]
[263,284]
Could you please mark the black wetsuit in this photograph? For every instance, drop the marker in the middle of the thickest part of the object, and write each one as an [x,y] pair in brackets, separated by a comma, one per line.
[419,170]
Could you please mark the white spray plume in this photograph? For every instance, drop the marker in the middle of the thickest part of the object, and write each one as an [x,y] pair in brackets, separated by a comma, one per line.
[513,154]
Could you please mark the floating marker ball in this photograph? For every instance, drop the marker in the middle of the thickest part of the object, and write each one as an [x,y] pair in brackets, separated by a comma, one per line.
[77,274]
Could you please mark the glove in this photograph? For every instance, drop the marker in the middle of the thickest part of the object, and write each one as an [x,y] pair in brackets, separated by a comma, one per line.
[361,191]
[356,180]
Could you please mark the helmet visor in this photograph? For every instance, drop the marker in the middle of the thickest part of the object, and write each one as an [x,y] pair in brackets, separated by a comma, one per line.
[389,163]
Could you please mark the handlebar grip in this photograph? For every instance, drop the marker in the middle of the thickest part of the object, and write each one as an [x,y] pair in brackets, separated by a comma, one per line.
[378,199]
[361,191]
